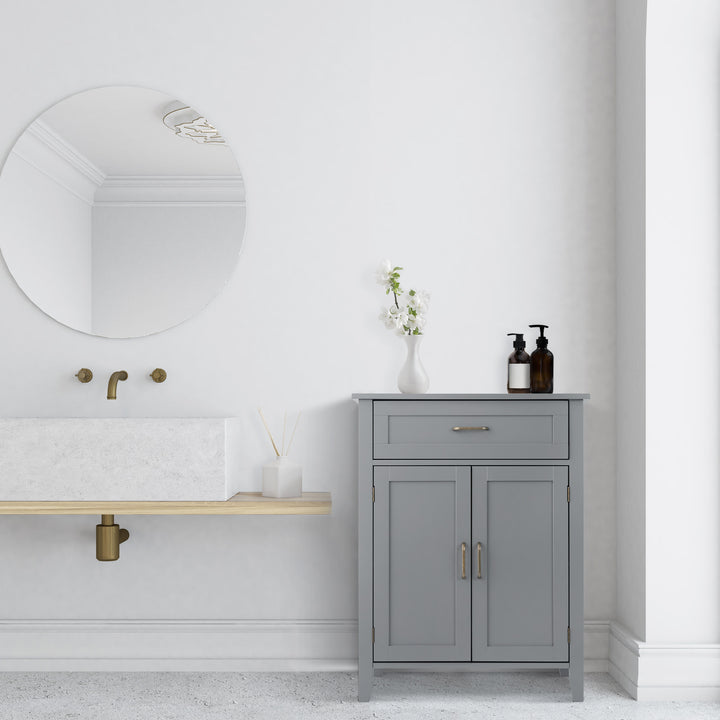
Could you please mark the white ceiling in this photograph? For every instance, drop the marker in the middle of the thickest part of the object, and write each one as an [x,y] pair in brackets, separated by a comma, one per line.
[121,131]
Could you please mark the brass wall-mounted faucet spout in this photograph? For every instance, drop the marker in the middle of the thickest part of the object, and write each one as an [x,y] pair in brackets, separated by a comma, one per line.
[112,384]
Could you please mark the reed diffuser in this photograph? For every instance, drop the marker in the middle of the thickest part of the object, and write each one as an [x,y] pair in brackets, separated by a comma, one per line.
[281,477]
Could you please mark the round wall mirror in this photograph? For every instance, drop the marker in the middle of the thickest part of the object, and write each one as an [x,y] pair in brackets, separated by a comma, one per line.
[122,212]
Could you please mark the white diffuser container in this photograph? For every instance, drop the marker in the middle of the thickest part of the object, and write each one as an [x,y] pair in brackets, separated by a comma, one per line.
[282,478]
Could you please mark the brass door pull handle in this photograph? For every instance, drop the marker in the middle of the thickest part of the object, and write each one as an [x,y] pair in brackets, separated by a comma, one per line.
[463,552]
[461,428]
[479,561]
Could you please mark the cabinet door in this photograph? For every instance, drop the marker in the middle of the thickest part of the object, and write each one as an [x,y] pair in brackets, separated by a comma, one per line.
[520,587]
[421,600]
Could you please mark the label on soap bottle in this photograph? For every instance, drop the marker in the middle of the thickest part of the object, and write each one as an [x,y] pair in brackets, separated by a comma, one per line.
[519,376]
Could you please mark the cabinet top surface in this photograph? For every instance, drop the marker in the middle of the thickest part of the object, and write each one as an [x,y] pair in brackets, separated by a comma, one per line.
[471,396]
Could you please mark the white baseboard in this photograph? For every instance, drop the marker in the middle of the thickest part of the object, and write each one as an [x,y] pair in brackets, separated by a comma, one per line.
[623,659]
[184,645]
[204,645]
[645,671]
[664,672]
[596,638]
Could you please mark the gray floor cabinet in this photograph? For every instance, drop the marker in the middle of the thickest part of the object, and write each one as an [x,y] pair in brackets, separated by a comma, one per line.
[470,534]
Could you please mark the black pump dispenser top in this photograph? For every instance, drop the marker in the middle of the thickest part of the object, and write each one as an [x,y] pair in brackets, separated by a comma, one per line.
[542,341]
[519,343]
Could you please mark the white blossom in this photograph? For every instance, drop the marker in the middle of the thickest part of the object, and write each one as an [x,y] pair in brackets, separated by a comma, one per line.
[382,275]
[406,314]
[419,300]
[388,318]
[401,318]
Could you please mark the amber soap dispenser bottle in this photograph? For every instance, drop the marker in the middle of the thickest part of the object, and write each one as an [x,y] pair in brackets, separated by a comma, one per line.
[541,365]
[518,367]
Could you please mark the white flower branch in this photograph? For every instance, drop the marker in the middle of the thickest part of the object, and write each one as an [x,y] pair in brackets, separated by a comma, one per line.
[407,313]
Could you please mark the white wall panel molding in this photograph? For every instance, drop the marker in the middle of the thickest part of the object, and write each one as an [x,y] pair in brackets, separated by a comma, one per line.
[654,671]
[182,645]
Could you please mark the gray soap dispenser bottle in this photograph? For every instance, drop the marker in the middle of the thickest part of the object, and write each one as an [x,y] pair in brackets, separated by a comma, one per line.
[518,367]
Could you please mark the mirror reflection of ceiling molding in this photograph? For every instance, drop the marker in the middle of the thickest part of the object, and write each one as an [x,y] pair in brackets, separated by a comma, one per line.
[121,130]
[42,148]
[49,153]
[215,190]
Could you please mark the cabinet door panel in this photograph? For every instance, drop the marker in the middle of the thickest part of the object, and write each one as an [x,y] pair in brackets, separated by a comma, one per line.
[520,602]
[422,604]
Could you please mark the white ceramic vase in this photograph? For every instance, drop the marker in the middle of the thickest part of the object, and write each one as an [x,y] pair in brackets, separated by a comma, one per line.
[282,478]
[413,378]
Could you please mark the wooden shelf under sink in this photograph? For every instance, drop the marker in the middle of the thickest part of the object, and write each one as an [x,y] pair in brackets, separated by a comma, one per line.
[310,503]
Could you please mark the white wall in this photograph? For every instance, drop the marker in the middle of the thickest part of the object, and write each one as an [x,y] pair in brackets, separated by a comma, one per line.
[630,316]
[471,142]
[493,184]
[683,294]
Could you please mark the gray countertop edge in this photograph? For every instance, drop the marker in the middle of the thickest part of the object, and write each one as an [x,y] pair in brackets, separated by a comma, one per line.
[471,396]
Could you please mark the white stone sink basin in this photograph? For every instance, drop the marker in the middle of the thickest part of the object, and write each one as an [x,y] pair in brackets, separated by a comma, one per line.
[131,459]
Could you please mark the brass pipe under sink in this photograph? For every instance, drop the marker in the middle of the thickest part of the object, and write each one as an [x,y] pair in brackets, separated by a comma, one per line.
[108,536]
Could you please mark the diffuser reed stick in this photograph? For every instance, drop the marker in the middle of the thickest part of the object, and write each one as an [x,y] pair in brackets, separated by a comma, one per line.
[268,432]
[292,437]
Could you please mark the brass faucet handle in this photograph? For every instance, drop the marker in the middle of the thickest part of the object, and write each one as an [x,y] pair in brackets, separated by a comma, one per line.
[84,375]
[158,375]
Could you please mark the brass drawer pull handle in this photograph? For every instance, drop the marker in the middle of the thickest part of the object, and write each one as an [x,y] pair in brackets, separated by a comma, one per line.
[461,428]
[463,551]
[479,561]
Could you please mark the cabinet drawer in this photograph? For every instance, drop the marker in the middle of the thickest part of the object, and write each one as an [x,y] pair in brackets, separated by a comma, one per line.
[465,429]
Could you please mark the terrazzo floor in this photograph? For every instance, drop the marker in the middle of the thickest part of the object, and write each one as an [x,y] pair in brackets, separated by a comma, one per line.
[296,696]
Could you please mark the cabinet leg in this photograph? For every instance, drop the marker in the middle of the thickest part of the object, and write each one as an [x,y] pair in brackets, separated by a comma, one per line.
[576,683]
[365,675]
